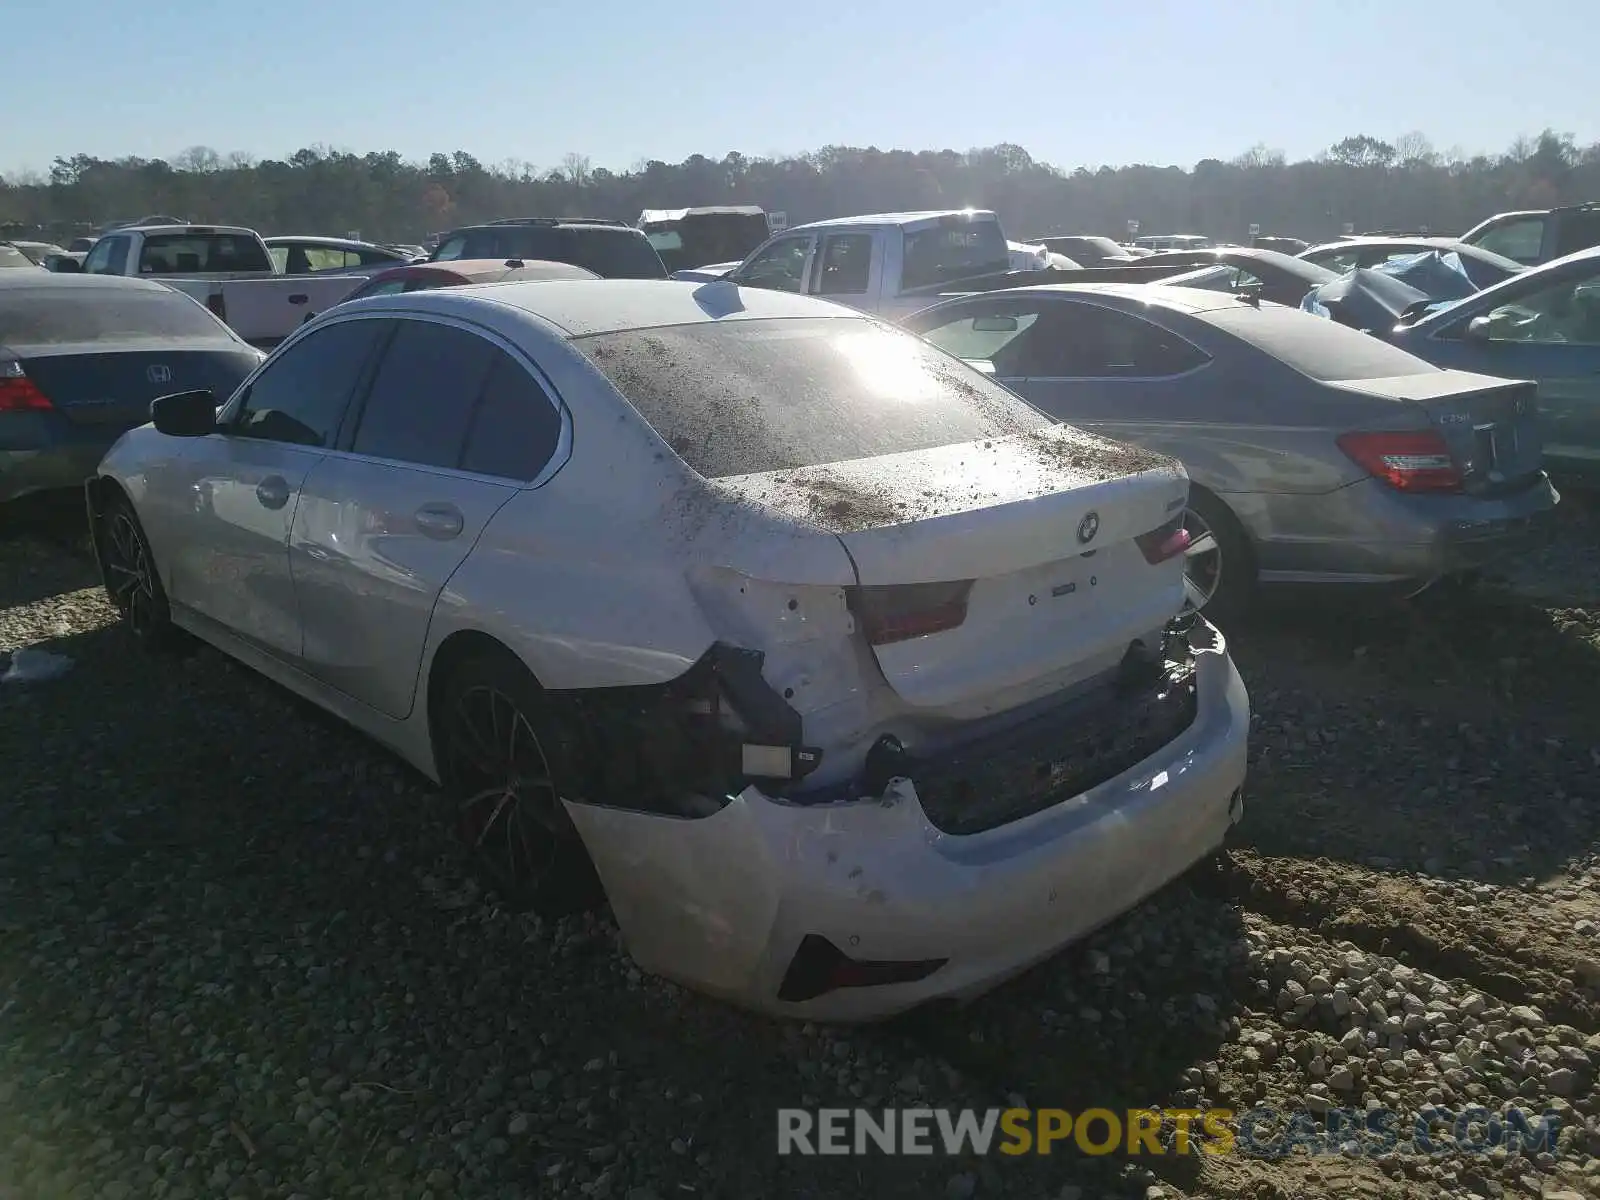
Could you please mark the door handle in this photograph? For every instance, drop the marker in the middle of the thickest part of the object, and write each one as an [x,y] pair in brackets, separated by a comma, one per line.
[299,298]
[273,491]
[441,521]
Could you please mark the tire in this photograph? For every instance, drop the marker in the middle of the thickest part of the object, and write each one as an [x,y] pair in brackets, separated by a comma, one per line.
[504,758]
[1223,583]
[132,582]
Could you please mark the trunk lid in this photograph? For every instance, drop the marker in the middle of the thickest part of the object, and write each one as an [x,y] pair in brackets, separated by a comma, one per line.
[1491,425]
[989,570]
[100,385]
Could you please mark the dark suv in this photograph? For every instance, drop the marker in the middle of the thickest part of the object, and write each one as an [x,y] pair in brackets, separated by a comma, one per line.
[611,249]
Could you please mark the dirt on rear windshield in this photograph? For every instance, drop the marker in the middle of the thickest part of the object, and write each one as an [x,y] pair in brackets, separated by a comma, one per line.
[1089,454]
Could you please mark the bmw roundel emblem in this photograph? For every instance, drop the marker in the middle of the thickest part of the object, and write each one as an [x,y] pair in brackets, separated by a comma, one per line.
[1088,527]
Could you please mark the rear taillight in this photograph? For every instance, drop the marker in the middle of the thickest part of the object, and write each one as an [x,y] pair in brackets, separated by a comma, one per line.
[901,612]
[1166,541]
[18,393]
[1417,461]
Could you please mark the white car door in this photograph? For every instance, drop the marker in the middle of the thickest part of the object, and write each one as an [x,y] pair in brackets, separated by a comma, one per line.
[221,506]
[453,425]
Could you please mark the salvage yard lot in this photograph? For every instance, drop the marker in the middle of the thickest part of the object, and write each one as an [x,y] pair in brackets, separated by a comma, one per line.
[240,957]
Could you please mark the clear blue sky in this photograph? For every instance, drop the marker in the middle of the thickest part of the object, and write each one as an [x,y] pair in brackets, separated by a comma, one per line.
[1074,81]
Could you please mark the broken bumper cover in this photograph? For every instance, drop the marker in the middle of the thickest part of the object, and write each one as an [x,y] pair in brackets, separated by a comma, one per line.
[723,903]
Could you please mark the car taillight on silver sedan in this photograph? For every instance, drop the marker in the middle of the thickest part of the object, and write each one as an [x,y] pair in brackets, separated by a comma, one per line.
[1408,461]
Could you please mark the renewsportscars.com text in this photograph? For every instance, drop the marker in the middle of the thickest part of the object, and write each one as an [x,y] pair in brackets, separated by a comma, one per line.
[1261,1132]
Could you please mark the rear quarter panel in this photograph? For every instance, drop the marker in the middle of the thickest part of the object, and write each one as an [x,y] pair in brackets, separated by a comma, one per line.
[1244,423]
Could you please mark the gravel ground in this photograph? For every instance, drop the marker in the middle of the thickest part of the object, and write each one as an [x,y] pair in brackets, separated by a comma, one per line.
[239,957]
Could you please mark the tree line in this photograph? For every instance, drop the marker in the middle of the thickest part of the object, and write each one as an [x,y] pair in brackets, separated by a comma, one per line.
[1363,181]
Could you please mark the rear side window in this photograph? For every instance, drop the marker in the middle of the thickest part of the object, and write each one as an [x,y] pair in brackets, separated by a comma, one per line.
[180,253]
[1519,240]
[516,427]
[1315,346]
[420,404]
[1580,229]
[300,396]
[742,397]
[85,315]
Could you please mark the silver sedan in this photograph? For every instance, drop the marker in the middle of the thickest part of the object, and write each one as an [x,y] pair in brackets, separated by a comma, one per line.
[1317,454]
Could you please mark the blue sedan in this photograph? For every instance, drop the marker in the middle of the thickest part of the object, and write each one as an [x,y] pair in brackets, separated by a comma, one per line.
[1543,325]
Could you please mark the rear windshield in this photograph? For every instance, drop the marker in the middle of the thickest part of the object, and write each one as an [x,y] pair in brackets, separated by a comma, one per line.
[192,253]
[954,250]
[59,316]
[1315,346]
[742,397]
[610,253]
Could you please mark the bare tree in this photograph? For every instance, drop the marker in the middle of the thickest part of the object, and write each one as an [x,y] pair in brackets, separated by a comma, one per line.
[575,167]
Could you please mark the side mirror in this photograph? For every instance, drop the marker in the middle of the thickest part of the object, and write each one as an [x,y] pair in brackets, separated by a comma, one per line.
[185,414]
[61,264]
[1477,329]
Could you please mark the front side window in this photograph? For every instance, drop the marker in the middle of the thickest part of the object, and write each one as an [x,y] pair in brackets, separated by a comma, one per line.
[301,396]
[1561,314]
[420,404]
[780,267]
[451,248]
[1520,240]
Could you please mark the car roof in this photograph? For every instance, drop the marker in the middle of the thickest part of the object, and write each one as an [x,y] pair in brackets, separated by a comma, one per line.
[157,230]
[1128,295]
[482,268]
[333,243]
[921,217]
[582,307]
[87,283]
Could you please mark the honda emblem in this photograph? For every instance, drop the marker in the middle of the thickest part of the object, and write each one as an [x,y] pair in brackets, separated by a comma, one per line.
[158,373]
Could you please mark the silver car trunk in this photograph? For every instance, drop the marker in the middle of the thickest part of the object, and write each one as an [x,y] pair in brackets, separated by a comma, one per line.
[1490,424]
[990,569]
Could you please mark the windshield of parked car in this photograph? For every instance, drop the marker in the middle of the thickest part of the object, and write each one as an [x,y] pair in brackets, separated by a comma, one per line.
[610,252]
[10,256]
[49,316]
[954,249]
[1315,346]
[742,397]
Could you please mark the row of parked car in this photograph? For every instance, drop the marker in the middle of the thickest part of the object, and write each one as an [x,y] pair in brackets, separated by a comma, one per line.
[844,619]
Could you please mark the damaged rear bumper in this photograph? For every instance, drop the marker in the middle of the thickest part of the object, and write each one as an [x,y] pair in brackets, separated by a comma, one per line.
[724,903]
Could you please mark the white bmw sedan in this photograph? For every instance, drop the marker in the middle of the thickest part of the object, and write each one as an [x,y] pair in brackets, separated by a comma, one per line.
[845,675]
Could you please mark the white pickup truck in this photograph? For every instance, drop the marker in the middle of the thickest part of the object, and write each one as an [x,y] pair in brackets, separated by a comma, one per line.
[889,264]
[227,269]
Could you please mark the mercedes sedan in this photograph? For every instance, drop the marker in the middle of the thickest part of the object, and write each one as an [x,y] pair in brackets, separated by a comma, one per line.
[1317,454]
